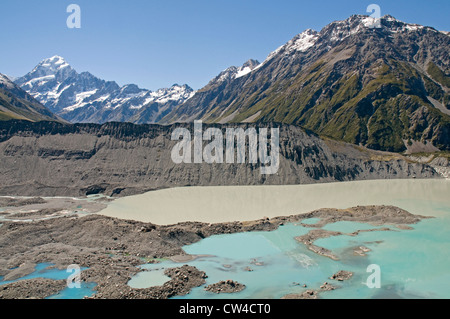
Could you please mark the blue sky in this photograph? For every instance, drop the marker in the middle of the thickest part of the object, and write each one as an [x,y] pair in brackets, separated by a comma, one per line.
[156,43]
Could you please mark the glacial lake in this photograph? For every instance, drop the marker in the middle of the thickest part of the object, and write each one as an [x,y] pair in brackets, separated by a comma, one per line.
[414,263]
[231,203]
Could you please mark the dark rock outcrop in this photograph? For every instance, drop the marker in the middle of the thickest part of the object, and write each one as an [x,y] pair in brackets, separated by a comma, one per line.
[342,275]
[226,286]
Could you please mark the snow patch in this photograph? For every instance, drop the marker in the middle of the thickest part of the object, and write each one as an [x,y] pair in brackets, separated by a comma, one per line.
[303,41]
[39,81]
[243,71]
[80,98]
[370,22]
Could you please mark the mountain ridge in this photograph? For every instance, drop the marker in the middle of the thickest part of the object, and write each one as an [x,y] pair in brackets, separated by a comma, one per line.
[343,82]
[82,97]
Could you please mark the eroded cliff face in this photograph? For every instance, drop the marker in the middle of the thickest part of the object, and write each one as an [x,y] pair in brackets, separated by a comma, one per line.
[119,159]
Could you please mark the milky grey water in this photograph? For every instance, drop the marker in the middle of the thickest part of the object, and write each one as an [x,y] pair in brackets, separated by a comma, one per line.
[230,203]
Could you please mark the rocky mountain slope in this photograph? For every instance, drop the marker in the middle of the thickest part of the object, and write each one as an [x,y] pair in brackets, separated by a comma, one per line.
[49,158]
[15,103]
[82,97]
[386,88]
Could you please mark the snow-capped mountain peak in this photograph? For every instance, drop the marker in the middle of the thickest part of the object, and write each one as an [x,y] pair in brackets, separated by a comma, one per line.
[56,61]
[338,31]
[51,65]
[361,23]
[5,81]
[82,97]
[176,93]
[48,72]
[344,81]
[234,72]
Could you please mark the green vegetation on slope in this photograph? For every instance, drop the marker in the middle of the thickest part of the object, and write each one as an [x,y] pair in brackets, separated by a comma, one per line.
[438,75]
[15,107]
[389,108]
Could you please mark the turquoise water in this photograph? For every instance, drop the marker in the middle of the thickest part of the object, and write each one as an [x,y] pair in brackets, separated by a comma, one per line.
[414,263]
[86,290]
[264,253]
[146,279]
[43,271]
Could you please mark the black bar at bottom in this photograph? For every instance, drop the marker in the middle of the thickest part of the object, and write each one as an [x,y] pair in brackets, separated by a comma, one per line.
[223,308]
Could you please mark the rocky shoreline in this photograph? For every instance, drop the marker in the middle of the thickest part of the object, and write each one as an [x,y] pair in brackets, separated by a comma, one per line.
[112,249]
[38,288]
[342,275]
